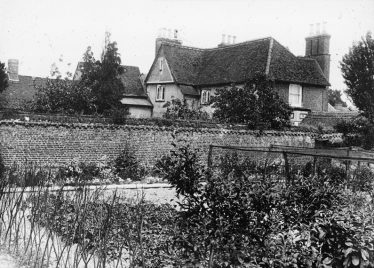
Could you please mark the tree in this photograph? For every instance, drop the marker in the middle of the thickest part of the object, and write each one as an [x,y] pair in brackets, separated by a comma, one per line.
[335,97]
[3,77]
[63,96]
[98,92]
[256,105]
[103,77]
[358,71]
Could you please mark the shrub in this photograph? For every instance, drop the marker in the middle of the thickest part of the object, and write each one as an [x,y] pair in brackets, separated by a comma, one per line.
[178,109]
[182,168]
[105,227]
[27,176]
[233,220]
[256,104]
[127,166]
[119,115]
[362,179]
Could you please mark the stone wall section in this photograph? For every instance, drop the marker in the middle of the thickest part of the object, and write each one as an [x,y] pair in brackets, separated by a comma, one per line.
[54,144]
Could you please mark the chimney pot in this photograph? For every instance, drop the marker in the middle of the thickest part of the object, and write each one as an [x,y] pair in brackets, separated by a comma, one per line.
[311,31]
[233,39]
[223,38]
[228,39]
[318,28]
[13,69]
[176,34]
[324,27]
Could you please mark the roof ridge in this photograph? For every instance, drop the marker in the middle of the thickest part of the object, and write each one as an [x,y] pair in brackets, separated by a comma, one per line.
[269,56]
[219,48]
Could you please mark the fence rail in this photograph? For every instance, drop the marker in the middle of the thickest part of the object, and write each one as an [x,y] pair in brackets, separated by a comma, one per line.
[291,155]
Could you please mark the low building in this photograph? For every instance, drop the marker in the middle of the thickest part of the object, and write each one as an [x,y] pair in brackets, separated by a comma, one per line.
[194,74]
[21,89]
[134,94]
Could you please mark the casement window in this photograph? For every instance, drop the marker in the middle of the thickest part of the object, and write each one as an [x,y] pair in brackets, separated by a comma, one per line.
[303,115]
[205,96]
[161,64]
[295,95]
[160,93]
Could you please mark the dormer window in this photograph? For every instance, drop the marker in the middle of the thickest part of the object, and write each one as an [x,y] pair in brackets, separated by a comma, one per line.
[205,96]
[161,64]
[160,93]
[295,95]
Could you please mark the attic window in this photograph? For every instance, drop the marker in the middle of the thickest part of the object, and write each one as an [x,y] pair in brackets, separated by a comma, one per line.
[160,93]
[161,65]
[205,96]
[295,95]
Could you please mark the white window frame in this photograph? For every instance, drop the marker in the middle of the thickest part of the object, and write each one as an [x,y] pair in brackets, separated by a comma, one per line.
[295,90]
[303,115]
[160,93]
[205,96]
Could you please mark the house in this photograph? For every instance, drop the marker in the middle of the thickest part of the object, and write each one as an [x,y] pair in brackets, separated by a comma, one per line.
[194,74]
[134,94]
[21,88]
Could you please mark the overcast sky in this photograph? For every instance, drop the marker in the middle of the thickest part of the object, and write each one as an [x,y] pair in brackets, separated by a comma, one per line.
[39,32]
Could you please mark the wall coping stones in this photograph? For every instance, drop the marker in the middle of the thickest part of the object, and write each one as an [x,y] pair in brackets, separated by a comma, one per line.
[176,129]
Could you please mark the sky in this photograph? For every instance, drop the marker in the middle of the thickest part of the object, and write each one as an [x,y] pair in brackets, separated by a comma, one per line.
[40,32]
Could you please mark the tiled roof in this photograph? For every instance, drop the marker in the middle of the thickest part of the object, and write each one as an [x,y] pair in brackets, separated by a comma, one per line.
[136,101]
[327,120]
[189,90]
[131,79]
[239,62]
[285,66]
[20,92]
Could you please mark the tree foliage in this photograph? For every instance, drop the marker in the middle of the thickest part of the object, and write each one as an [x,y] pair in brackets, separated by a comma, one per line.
[178,109]
[256,105]
[358,71]
[63,96]
[103,77]
[3,77]
[99,90]
[244,217]
[357,132]
[335,97]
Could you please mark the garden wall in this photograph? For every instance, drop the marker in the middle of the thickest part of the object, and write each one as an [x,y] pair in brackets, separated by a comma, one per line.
[52,144]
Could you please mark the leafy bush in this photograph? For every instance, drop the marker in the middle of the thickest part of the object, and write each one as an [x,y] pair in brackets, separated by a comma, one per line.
[127,166]
[257,105]
[76,173]
[235,220]
[110,227]
[358,132]
[362,179]
[26,176]
[119,115]
[178,109]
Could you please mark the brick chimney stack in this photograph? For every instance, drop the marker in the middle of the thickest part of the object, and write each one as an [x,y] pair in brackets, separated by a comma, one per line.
[167,36]
[318,47]
[13,69]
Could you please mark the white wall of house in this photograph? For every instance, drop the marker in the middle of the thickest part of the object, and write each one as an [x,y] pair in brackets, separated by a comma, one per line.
[140,112]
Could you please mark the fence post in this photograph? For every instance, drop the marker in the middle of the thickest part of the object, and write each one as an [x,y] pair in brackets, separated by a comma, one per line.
[210,157]
[314,165]
[287,168]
